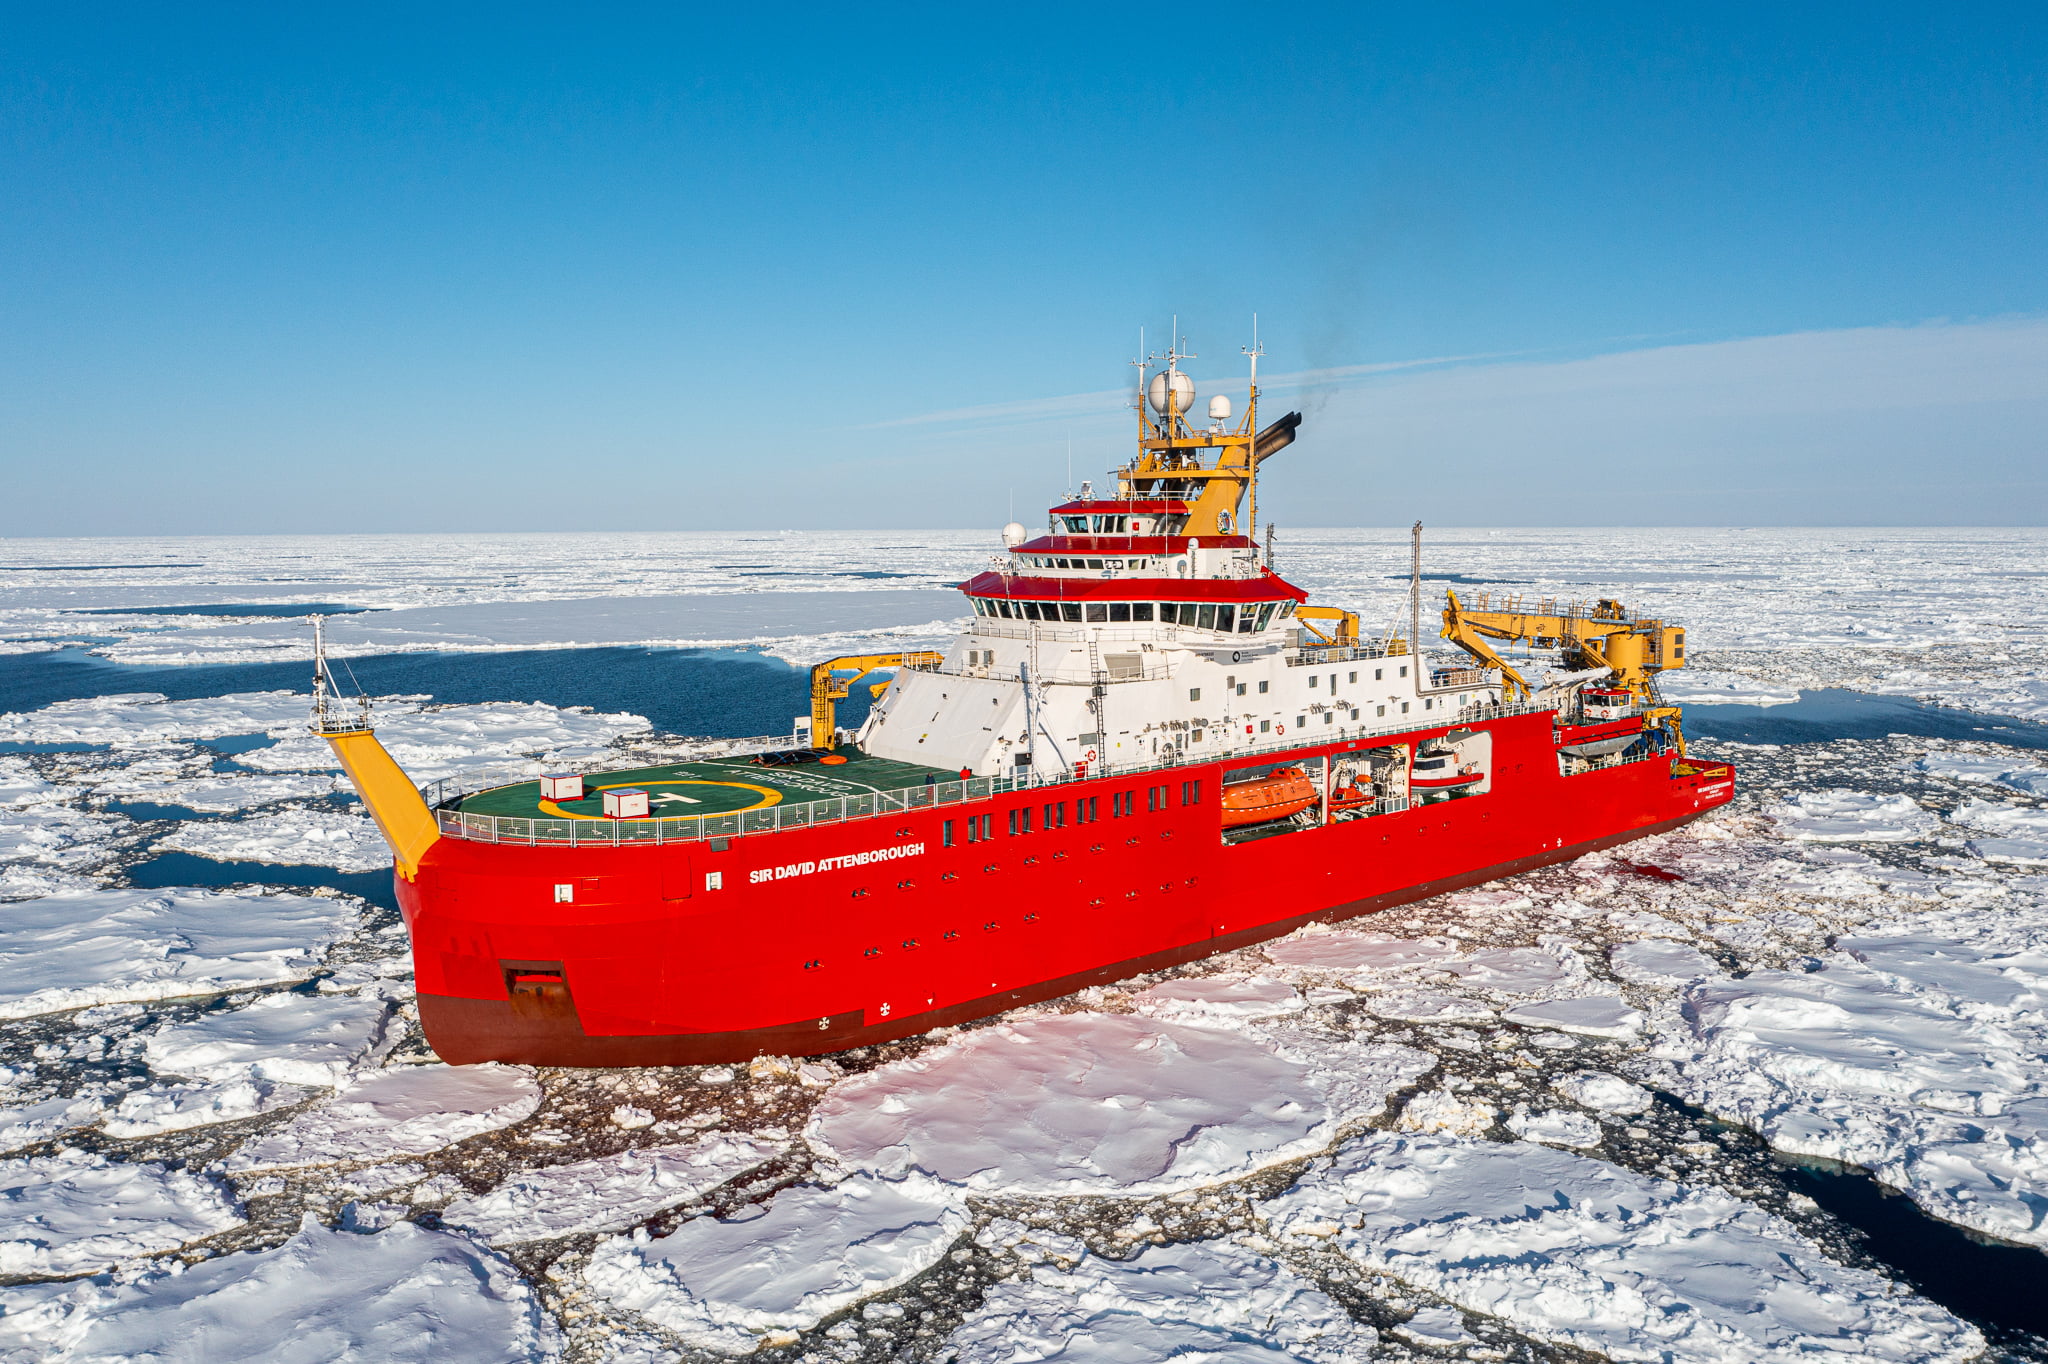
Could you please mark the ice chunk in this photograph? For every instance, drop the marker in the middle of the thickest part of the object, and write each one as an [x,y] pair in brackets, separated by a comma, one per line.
[811,1251]
[391,1113]
[1081,1103]
[69,950]
[1428,1006]
[1221,997]
[1605,1093]
[218,793]
[1518,970]
[1659,961]
[176,1107]
[2019,852]
[73,1213]
[1706,687]
[320,838]
[609,1192]
[2000,818]
[1554,1127]
[1591,1016]
[133,719]
[1435,1326]
[1206,1300]
[1841,816]
[20,786]
[1987,770]
[1583,1253]
[293,1038]
[1440,1110]
[401,1296]
[41,1121]
[1347,952]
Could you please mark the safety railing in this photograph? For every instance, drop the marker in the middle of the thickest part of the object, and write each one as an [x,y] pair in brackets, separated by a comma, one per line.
[601,832]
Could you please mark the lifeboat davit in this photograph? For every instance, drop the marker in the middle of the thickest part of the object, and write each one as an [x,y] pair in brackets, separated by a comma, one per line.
[1278,794]
[1443,773]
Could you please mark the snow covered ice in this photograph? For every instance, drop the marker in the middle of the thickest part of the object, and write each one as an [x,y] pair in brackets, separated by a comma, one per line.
[396,1113]
[1089,1103]
[287,1038]
[322,838]
[608,1192]
[75,948]
[725,1284]
[1588,1254]
[1840,816]
[404,1295]
[74,1213]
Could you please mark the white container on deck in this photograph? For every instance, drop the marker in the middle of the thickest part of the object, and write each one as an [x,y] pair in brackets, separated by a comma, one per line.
[625,804]
[561,788]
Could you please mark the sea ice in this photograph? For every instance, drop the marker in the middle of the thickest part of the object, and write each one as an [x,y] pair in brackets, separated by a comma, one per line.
[73,1213]
[1091,1104]
[320,838]
[43,845]
[445,741]
[1219,997]
[76,948]
[290,1038]
[1841,816]
[1428,1006]
[1346,952]
[723,1284]
[1706,687]
[1590,1016]
[217,794]
[20,786]
[1915,1056]
[135,719]
[1583,1253]
[176,1107]
[1519,970]
[1554,1127]
[1659,961]
[1206,1300]
[609,1192]
[1602,1092]
[404,1112]
[1986,769]
[37,1122]
[401,1296]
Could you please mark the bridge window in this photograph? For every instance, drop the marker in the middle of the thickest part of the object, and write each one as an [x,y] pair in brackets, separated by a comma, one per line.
[1119,611]
[1205,618]
[1071,610]
[1141,610]
[1098,613]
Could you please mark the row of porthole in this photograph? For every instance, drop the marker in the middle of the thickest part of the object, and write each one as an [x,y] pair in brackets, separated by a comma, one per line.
[910,944]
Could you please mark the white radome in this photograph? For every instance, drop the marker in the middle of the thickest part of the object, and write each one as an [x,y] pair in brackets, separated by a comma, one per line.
[1183,391]
[1014,535]
[1219,408]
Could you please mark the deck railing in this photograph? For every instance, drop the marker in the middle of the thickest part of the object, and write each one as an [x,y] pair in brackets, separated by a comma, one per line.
[457,823]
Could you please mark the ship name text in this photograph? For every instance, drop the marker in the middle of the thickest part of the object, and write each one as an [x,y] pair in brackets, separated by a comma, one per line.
[859,859]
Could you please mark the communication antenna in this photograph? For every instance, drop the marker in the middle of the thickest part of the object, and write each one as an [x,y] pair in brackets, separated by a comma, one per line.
[1415,600]
[1251,450]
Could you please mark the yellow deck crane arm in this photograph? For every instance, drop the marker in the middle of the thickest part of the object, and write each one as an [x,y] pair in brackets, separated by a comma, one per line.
[1347,623]
[828,688]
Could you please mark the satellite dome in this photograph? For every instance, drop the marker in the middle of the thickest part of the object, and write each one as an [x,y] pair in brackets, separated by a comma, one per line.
[1182,388]
[1014,535]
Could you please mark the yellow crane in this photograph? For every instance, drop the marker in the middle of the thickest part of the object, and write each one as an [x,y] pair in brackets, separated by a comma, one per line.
[1604,635]
[828,688]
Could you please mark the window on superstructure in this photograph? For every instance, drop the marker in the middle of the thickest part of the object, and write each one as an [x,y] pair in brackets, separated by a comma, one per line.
[1135,564]
[946,834]
[1156,797]
[1141,610]
[1311,681]
[1020,821]
[1404,670]
[1226,619]
[1084,810]
[1098,613]
[1072,610]
[1191,793]
[1262,688]
[1119,611]
[1194,693]
[1205,618]
[1055,815]
[1076,525]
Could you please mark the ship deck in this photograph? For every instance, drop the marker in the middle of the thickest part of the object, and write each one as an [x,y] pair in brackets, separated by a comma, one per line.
[712,786]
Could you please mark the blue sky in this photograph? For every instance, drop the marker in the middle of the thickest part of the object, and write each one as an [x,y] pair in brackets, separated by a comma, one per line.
[496,268]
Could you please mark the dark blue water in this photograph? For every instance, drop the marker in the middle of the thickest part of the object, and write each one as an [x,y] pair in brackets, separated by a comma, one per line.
[1833,713]
[12,746]
[228,745]
[149,809]
[168,869]
[243,608]
[725,693]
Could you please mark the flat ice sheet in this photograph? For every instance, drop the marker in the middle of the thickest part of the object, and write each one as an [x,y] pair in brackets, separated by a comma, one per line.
[1588,1254]
[73,1213]
[722,1284]
[1208,1300]
[1094,1103]
[1590,1015]
[72,949]
[1840,816]
[286,1038]
[401,1296]
[390,1113]
[317,838]
[216,794]
[581,622]
[608,1192]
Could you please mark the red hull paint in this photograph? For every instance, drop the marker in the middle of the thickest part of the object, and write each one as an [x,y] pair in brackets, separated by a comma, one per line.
[658,969]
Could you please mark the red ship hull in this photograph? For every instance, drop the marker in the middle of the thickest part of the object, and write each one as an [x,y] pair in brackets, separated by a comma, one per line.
[648,966]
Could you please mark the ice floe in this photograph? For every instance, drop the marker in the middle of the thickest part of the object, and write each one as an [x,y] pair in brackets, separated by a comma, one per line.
[1915,1055]
[52,1117]
[445,741]
[1519,970]
[1345,952]
[1554,1127]
[1659,961]
[133,719]
[320,838]
[1709,687]
[1220,997]
[1583,1253]
[1429,1006]
[1842,816]
[609,1192]
[402,1112]
[1602,1092]
[401,1296]
[21,786]
[288,1038]
[1098,1104]
[724,1284]
[1987,769]
[217,794]
[73,1213]
[1205,1300]
[176,1107]
[76,948]
[1588,1015]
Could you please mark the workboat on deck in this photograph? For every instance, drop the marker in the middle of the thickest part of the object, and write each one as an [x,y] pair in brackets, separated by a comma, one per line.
[1146,747]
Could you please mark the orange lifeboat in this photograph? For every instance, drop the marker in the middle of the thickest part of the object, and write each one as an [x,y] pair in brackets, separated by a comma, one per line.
[1280,793]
